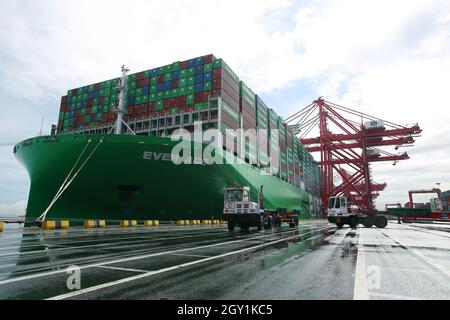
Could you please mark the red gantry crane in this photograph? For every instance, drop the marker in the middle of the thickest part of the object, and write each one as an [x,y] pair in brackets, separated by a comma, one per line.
[411,192]
[348,142]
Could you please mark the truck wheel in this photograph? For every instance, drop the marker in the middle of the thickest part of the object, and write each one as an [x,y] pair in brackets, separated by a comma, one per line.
[339,225]
[269,223]
[381,222]
[230,226]
[260,226]
[353,222]
[369,221]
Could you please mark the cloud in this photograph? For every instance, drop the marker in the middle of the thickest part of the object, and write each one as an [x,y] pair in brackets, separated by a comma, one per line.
[13,209]
[387,58]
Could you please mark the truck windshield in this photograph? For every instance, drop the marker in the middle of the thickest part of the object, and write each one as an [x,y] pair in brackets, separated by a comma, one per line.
[331,203]
[233,195]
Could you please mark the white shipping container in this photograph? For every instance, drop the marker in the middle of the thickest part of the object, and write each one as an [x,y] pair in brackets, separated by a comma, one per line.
[373,152]
[374,124]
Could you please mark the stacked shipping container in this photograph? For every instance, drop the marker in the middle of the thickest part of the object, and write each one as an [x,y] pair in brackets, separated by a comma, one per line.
[193,86]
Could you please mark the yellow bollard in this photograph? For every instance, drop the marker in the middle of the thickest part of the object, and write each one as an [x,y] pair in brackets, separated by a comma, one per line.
[199,222]
[204,221]
[223,222]
[124,223]
[180,222]
[63,224]
[2,225]
[49,225]
[133,223]
[187,222]
[89,224]
[148,223]
[101,224]
[156,223]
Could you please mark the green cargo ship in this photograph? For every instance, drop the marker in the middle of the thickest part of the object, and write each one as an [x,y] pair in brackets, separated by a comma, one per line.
[133,177]
[83,171]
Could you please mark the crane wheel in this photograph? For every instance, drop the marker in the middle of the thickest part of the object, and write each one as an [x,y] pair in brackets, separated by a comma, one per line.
[381,222]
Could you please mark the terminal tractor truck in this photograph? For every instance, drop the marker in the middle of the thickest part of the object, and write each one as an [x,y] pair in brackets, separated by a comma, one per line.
[239,210]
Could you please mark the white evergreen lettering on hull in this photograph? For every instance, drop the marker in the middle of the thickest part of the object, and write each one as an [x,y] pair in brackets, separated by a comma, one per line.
[157,156]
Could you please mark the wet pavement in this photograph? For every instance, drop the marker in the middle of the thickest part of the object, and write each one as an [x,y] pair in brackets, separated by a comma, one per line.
[315,261]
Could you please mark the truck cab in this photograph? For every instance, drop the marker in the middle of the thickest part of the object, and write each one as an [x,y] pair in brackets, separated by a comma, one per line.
[338,206]
[237,201]
[340,213]
[239,210]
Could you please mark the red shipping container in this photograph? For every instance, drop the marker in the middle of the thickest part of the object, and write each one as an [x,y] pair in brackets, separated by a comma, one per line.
[140,76]
[208,59]
[146,82]
[97,86]
[181,100]
[75,92]
[130,111]
[184,65]
[101,100]
[166,103]
[144,108]
[161,79]
[172,102]
[152,104]
[89,103]
[64,100]
[77,113]
[88,110]
[198,98]
[175,84]
[217,84]
[217,74]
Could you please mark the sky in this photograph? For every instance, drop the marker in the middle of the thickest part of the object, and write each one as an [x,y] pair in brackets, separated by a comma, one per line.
[388,58]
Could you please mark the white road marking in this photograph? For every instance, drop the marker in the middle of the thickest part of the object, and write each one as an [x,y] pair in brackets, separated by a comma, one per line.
[123,269]
[386,296]
[38,275]
[151,273]
[189,255]
[438,266]
[360,291]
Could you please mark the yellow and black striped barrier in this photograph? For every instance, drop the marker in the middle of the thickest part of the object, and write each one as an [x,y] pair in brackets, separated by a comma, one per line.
[2,225]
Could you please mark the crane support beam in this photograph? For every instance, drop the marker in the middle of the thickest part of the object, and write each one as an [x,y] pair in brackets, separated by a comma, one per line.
[369,144]
[367,134]
[403,156]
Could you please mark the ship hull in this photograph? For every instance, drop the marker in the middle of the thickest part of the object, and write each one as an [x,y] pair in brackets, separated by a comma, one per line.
[133,177]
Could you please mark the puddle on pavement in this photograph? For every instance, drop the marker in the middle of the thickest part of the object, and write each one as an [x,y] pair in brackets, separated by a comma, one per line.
[308,239]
